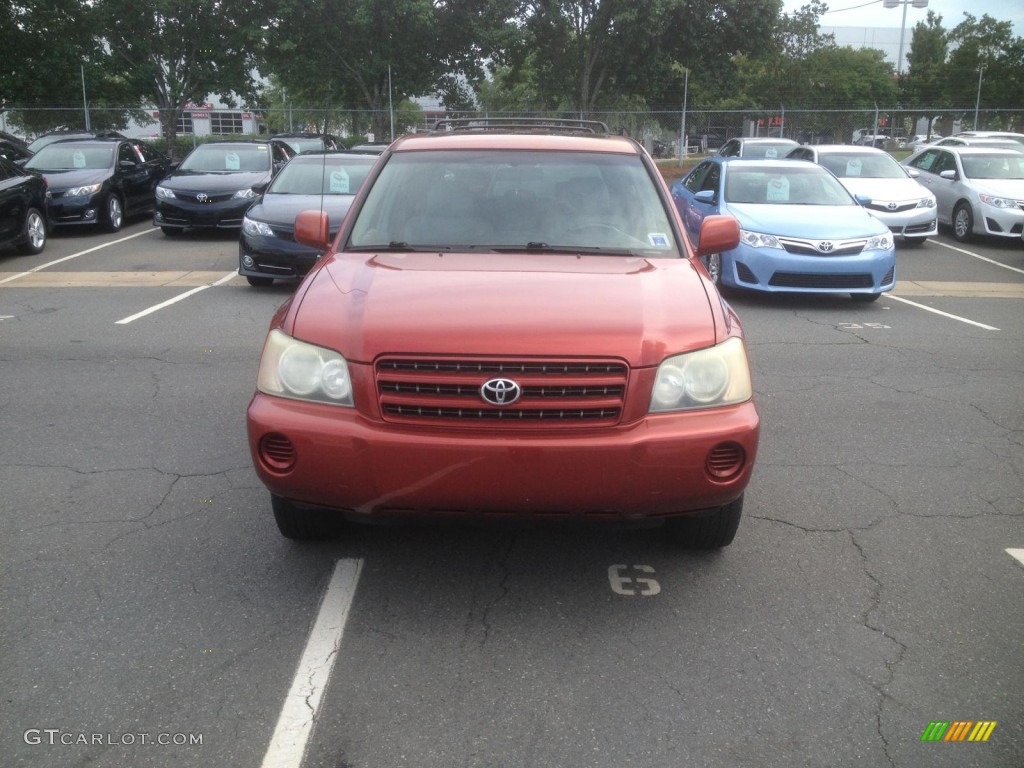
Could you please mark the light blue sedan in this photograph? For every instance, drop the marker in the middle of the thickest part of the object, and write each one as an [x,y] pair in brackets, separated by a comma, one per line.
[800,229]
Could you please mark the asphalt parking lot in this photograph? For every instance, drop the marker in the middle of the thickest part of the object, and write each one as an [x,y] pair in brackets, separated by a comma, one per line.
[876,584]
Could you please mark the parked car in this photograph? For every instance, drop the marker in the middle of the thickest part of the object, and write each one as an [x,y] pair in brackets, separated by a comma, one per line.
[977,189]
[23,197]
[15,152]
[887,189]
[99,181]
[369,149]
[49,138]
[308,142]
[328,182]
[757,147]
[216,183]
[971,141]
[800,229]
[507,323]
[920,139]
[1014,136]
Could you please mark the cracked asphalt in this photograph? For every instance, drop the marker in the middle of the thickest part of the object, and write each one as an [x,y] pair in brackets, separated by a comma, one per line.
[144,588]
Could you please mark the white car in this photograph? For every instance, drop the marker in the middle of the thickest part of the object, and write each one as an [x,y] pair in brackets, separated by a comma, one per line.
[884,187]
[978,190]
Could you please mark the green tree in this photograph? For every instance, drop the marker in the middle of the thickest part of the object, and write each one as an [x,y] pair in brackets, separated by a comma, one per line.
[181,51]
[985,49]
[923,85]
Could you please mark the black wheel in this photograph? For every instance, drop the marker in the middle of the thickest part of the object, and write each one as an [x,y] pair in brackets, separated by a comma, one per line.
[712,531]
[914,241]
[171,231]
[713,264]
[260,282]
[865,298]
[114,212]
[34,238]
[302,524]
[963,222]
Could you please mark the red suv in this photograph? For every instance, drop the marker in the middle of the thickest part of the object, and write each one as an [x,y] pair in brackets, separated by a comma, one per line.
[510,321]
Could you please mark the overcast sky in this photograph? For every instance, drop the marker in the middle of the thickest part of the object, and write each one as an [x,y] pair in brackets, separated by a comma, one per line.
[863,13]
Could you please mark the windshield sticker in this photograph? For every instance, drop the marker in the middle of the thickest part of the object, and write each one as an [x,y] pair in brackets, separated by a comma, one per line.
[778,190]
[658,240]
[261,146]
[78,159]
[771,153]
[339,182]
[232,162]
[853,167]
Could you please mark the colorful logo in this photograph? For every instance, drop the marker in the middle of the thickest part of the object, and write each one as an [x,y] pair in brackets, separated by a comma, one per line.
[959,730]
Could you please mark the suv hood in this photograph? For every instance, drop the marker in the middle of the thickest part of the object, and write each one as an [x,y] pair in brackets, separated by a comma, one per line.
[365,305]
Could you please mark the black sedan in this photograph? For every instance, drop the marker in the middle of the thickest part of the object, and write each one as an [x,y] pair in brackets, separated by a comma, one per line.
[99,181]
[215,184]
[22,208]
[317,181]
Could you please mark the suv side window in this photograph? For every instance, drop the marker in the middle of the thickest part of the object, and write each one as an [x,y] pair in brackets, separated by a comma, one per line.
[125,153]
[731,148]
[695,180]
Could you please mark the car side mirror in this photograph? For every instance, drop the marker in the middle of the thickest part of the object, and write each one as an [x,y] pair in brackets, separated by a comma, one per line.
[312,228]
[717,234]
[127,165]
[705,196]
[913,173]
[260,188]
[951,175]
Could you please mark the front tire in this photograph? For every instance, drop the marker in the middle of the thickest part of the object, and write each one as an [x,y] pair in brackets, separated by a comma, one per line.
[963,222]
[114,211]
[713,264]
[34,238]
[302,524]
[712,531]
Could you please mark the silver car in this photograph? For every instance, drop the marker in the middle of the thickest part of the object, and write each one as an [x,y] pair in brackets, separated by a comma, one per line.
[892,194]
[979,190]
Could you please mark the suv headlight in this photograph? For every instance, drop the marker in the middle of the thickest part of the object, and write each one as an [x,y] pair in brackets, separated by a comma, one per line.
[255,228]
[879,242]
[89,189]
[708,378]
[998,202]
[245,194]
[759,240]
[300,371]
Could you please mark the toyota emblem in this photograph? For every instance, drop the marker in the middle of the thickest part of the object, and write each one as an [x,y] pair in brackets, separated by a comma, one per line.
[500,391]
[202,197]
[826,246]
[893,206]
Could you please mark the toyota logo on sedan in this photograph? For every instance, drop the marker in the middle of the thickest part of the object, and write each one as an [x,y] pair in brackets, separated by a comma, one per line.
[500,391]
[893,206]
[202,197]
[826,246]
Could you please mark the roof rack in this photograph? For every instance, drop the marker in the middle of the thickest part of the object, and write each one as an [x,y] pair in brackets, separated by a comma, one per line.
[530,124]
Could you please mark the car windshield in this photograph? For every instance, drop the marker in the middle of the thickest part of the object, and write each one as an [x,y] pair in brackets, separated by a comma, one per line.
[72,156]
[808,185]
[993,166]
[236,157]
[769,150]
[329,177]
[305,145]
[522,200]
[849,165]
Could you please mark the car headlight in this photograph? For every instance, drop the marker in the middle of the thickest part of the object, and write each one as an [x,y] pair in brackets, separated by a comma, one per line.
[86,191]
[256,228]
[300,371]
[759,240]
[998,202]
[926,202]
[879,242]
[245,194]
[164,193]
[708,378]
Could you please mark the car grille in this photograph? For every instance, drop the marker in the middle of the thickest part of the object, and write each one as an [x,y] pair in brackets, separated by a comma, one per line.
[800,280]
[209,197]
[899,208]
[813,247]
[555,393]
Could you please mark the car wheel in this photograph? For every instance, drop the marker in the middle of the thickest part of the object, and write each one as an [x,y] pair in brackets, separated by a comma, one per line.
[115,214]
[260,282]
[34,239]
[712,531]
[865,298]
[963,222]
[171,231]
[302,524]
[713,264]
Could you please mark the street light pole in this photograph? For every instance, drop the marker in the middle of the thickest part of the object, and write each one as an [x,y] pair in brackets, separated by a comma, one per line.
[682,120]
[977,102]
[899,57]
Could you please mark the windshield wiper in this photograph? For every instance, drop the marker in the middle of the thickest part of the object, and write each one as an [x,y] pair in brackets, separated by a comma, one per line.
[400,245]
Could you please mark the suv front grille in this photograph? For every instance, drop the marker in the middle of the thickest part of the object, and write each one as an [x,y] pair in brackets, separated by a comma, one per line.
[554,393]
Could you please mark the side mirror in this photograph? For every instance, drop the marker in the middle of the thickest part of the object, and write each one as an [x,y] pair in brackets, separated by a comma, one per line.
[705,196]
[260,188]
[863,200]
[951,175]
[127,165]
[717,234]
[913,173]
[312,228]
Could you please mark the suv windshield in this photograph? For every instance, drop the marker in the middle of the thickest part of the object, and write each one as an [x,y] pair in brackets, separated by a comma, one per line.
[523,200]
[253,158]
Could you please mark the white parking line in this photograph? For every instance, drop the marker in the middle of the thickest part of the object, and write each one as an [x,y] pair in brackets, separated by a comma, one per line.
[299,714]
[940,312]
[75,256]
[175,300]
[1018,554]
[977,256]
